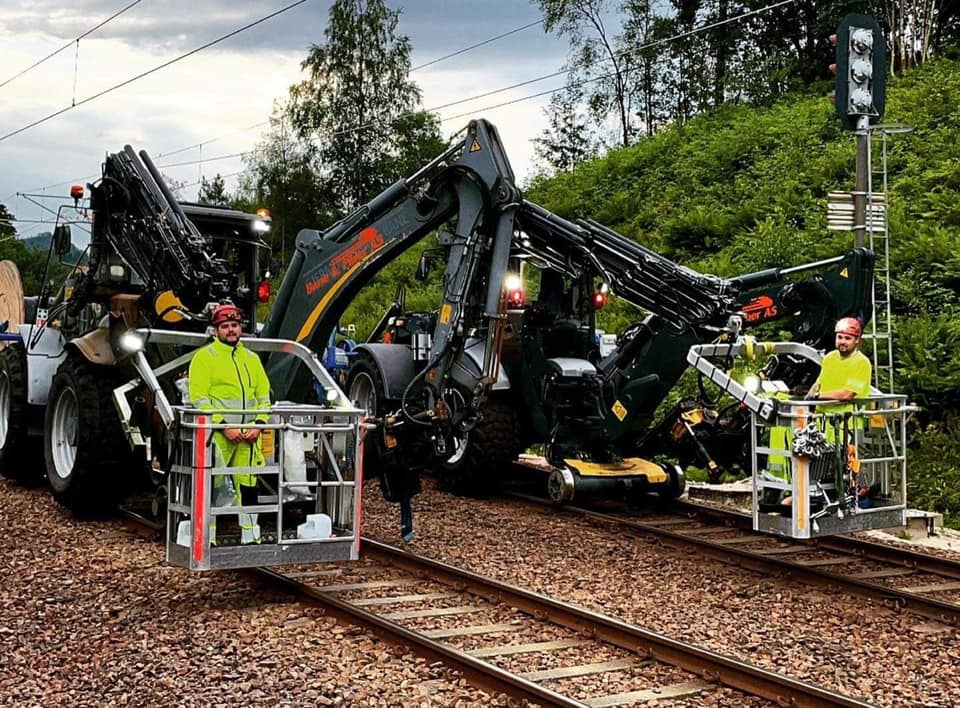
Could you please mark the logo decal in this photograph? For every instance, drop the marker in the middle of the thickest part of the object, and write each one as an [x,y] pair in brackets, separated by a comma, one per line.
[761,307]
[370,241]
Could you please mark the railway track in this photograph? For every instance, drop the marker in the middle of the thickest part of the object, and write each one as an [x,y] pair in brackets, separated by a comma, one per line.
[900,578]
[521,643]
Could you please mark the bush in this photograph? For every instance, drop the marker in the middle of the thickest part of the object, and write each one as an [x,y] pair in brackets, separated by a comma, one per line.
[933,469]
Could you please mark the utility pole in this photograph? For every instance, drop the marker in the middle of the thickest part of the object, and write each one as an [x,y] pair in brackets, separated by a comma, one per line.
[861,183]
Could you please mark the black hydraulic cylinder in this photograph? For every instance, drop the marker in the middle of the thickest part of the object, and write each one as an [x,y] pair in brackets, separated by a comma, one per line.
[760,277]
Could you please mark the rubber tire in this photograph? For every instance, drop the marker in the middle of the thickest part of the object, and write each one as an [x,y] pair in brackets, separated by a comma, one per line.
[19,460]
[492,445]
[103,463]
[364,367]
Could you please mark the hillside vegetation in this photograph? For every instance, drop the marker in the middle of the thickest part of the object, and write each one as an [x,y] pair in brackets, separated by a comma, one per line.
[744,188]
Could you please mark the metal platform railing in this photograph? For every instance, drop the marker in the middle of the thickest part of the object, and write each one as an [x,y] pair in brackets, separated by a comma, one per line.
[806,489]
[303,512]
[822,468]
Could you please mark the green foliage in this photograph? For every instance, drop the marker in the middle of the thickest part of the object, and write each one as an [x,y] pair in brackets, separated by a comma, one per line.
[213,191]
[927,350]
[745,188]
[933,477]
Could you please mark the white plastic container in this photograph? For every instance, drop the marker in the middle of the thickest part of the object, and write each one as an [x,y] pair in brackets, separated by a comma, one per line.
[183,533]
[316,526]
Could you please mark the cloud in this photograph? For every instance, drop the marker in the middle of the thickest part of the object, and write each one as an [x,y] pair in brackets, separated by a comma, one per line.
[220,92]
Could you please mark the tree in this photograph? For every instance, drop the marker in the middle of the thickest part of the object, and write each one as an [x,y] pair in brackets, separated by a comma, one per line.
[7,228]
[568,140]
[358,102]
[596,60]
[213,192]
[282,175]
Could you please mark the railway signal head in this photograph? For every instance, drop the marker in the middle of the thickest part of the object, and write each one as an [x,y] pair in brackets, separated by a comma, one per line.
[859,67]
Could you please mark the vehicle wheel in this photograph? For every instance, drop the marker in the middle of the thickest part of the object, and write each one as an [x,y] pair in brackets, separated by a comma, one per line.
[19,458]
[89,463]
[365,388]
[482,455]
[676,485]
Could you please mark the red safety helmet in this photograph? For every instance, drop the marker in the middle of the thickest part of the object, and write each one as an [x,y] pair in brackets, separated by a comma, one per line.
[225,313]
[849,325]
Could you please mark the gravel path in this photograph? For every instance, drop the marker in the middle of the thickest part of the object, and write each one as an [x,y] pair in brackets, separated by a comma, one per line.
[90,615]
[836,640]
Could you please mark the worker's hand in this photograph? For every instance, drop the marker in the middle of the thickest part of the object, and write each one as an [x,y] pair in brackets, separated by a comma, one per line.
[233,434]
[251,434]
[813,393]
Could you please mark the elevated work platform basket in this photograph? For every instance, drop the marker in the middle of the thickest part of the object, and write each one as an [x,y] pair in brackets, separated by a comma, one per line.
[301,506]
[821,468]
[304,508]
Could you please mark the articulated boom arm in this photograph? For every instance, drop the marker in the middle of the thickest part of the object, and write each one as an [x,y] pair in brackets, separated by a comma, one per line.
[640,276]
[469,189]
[833,288]
[143,223]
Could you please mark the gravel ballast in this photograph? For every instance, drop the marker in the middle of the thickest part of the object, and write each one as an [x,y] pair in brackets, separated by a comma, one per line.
[839,641]
[90,614]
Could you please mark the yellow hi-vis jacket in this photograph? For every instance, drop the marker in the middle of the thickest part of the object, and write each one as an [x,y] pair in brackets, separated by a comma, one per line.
[226,377]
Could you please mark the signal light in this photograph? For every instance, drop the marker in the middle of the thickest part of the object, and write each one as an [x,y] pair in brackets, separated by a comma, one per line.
[263,213]
[860,70]
[600,297]
[263,291]
[514,286]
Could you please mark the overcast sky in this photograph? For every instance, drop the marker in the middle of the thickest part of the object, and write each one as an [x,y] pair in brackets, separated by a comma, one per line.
[221,92]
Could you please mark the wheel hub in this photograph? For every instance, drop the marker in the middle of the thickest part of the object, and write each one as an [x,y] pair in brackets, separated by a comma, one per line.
[63,433]
[5,403]
[363,393]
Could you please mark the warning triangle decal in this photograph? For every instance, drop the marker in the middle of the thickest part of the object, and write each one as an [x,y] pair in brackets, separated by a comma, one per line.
[475,147]
[845,273]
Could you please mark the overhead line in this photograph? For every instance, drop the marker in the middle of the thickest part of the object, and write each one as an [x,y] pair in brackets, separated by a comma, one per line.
[71,42]
[654,43]
[502,35]
[153,70]
[475,46]
[647,45]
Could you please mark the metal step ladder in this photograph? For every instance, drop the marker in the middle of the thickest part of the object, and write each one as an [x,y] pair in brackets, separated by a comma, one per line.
[880,332]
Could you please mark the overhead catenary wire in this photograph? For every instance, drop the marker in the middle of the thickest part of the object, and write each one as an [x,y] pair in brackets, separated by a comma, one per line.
[202,143]
[353,129]
[73,41]
[544,77]
[437,60]
[146,73]
[476,46]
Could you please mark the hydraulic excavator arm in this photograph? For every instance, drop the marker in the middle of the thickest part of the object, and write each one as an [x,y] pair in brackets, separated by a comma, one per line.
[469,190]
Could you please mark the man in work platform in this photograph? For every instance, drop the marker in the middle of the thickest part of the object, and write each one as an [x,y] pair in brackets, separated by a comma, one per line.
[844,376]
[845,372]
[225,375]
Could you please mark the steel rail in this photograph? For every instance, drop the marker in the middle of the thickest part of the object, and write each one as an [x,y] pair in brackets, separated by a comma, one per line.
[725,670]
[870,550]
[894,598]
[707,664]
